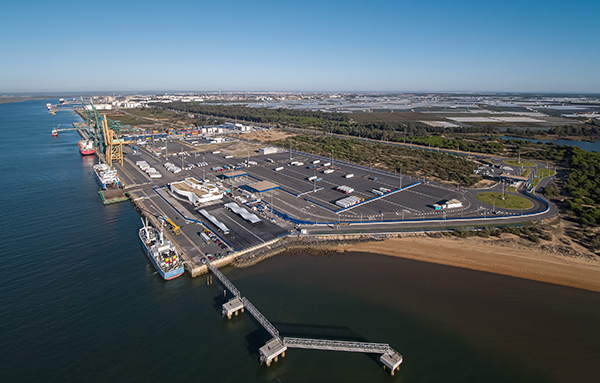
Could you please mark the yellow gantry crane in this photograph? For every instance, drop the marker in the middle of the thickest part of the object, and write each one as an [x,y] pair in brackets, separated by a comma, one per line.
[114,145]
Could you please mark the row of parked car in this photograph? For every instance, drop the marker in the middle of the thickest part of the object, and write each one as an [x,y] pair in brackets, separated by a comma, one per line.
[214,238]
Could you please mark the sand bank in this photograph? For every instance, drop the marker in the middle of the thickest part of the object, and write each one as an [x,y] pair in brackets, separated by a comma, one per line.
[503,256]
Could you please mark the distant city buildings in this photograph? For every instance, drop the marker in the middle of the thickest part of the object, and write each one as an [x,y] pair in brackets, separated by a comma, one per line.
[453,109]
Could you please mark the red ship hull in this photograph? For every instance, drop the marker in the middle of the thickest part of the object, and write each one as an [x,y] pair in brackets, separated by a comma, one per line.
[83,150]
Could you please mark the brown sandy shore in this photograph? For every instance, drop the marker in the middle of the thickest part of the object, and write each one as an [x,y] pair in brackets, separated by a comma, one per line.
[7,100]
[505,256]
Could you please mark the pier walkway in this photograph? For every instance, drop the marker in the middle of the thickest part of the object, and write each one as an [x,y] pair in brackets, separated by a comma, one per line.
[277,346]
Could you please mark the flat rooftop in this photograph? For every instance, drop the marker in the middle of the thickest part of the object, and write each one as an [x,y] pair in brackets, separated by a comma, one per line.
[237,173]
[263,186]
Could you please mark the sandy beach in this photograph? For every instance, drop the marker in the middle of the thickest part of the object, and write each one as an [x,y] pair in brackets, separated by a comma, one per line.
[508,255]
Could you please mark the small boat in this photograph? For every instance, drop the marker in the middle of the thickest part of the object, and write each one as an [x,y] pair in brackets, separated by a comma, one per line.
[54,133]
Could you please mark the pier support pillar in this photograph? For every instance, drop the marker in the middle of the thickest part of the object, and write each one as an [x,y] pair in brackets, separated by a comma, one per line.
[283,354]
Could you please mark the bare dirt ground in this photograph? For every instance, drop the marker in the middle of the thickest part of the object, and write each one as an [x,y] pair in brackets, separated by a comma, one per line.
[483,184]
[559,261]
[241,149]
[267,135]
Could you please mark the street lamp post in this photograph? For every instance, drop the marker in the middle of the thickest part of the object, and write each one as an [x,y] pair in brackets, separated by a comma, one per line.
[401,177]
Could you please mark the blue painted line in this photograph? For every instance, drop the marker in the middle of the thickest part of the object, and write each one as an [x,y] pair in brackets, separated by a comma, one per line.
[378,197]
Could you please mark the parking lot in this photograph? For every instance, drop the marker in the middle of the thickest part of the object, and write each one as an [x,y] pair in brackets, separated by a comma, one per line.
[308,189]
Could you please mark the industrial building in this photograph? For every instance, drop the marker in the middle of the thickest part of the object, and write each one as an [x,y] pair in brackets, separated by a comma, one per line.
[195,191]
[448,204]
[269,150]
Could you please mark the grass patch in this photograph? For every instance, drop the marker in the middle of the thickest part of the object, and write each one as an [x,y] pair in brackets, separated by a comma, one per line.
[510,201]
[512,189]
[517,163]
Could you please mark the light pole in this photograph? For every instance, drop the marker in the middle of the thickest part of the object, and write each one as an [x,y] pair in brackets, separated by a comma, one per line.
[401,178]
[232,192]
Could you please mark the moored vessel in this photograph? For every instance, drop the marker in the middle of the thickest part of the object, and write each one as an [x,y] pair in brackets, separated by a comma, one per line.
[107,177]
[86,147]
[54,133]
[161,252]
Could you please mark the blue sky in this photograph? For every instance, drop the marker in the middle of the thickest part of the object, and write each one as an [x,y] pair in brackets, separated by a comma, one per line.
[520,46]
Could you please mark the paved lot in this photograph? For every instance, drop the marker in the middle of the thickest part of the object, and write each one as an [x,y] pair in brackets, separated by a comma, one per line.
[301,199]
